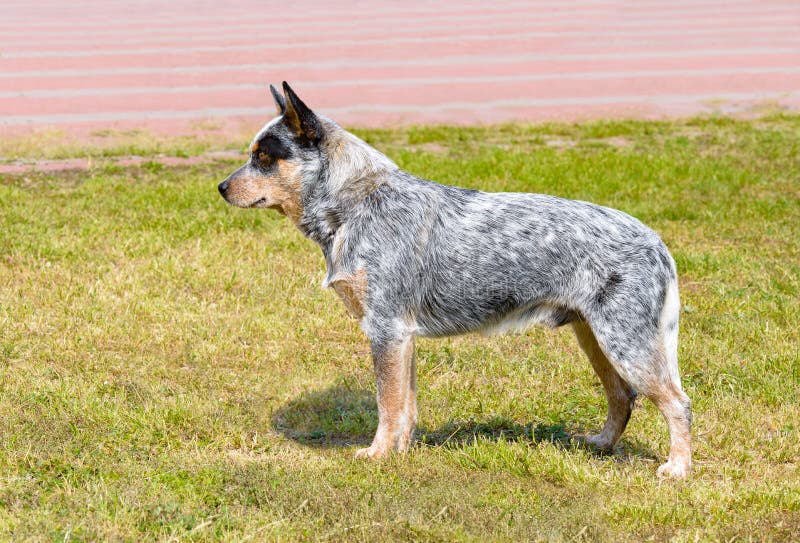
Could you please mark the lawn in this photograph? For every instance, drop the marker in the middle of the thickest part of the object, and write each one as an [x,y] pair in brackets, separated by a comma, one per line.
[171,369]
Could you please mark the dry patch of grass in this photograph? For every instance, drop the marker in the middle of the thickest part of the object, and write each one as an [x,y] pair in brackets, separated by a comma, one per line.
[170,368]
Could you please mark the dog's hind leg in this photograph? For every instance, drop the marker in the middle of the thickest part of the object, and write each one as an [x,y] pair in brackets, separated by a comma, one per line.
[619,394]
[667,394]
[644,352]
[397,411]
[675,406]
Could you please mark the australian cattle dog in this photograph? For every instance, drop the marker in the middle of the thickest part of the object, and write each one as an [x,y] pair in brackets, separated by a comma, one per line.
[410,257]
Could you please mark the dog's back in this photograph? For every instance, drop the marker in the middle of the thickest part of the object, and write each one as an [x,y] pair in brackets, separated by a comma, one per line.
[464,260]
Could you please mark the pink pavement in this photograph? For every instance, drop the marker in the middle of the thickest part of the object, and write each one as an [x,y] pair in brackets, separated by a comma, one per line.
[164,66]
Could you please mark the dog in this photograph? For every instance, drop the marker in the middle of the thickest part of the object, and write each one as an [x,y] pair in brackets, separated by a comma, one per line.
[410,257]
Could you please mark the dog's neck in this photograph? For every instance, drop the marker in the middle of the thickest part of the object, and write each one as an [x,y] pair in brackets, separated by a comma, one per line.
[350,171]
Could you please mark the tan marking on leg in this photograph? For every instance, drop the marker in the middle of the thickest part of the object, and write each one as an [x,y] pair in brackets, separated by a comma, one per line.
[392,370]
[352,289]
[410,408]
[619,394]
[675,407]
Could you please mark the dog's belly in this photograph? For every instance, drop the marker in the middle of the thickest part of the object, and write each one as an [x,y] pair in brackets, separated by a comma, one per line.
[497,322]
[545,314]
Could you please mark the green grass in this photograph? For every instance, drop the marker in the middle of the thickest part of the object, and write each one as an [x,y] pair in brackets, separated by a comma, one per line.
[171,370]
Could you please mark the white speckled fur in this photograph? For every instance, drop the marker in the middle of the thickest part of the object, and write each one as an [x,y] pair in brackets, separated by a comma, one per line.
[442,260]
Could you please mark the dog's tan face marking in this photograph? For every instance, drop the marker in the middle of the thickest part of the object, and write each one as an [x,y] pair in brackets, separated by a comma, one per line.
[353,292]
[279,190]
[285,190]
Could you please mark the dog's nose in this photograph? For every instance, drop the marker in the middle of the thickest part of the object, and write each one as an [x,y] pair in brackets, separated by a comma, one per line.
[223,187]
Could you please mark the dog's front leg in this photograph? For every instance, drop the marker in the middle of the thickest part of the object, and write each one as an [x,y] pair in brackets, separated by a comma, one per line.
[397,402]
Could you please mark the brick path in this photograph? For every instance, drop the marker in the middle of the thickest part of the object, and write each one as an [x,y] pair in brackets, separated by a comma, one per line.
[165,65]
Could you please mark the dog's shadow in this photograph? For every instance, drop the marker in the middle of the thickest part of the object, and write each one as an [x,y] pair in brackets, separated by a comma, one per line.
[346,414]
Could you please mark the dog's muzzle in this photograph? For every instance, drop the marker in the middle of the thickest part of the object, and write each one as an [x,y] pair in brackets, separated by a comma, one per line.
[223,187]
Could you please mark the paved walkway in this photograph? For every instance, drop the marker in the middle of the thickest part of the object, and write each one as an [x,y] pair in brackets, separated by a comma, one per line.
[168,64]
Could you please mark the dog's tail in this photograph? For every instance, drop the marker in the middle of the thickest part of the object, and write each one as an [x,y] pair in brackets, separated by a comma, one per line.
[668,328]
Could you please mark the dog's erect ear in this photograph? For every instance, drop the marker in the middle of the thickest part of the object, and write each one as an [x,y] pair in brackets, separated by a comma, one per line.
[280,103]
[299,118]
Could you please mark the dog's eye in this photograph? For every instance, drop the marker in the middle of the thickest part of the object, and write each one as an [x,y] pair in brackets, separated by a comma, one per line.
[262,156]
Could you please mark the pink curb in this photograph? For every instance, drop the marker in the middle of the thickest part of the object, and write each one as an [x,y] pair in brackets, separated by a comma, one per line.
[168,67]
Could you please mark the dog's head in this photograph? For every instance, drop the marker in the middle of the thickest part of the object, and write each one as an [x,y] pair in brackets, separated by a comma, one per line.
[282,155]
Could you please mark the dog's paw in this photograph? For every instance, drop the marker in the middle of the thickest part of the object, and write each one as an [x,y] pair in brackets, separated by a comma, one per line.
[599,441]
[673,470]
[372,453]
